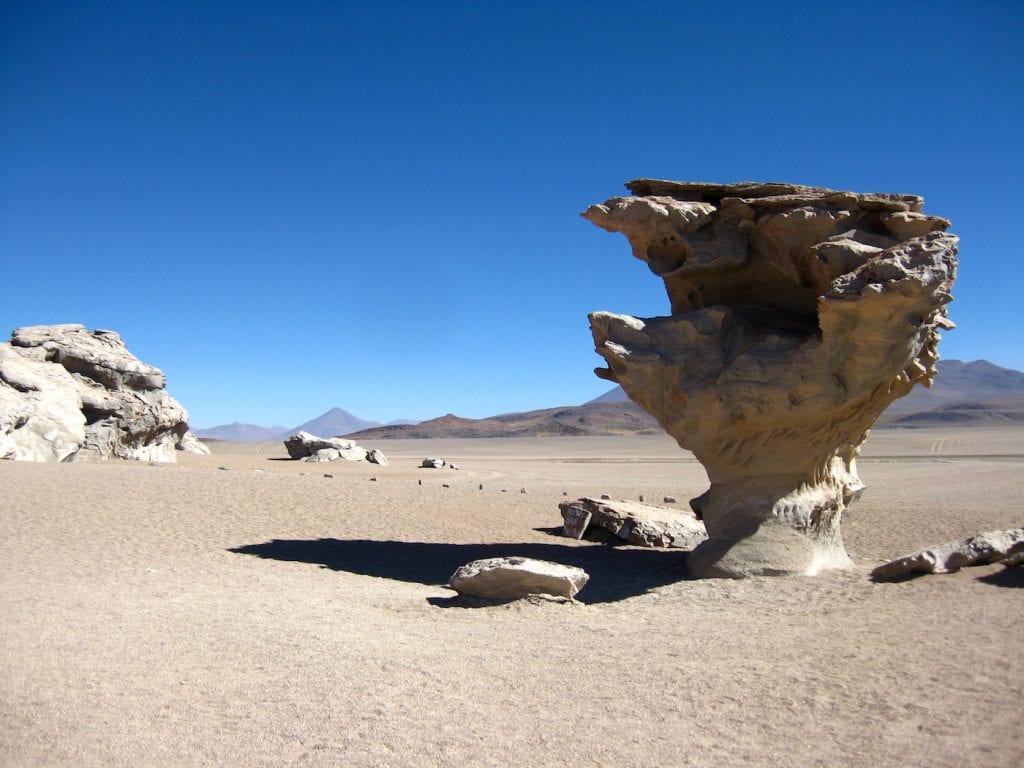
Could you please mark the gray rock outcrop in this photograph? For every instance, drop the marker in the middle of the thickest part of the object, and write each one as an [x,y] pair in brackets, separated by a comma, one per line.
[512,578]
[303,445]
[983,549]
[797,314]
[644,525]
[68,394]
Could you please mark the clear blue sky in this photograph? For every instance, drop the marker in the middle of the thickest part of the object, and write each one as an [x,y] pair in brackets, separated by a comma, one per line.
[288,206]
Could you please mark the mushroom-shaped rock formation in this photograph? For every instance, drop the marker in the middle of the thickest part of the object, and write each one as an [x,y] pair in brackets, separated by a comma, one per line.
[797,315]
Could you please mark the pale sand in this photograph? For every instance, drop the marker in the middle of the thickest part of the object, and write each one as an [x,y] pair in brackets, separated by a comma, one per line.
[133,634]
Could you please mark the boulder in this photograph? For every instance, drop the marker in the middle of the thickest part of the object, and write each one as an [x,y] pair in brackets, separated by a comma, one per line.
[512,578]
[192,444]
[433,463]
[68,394]
[796,316]
[303,444]
[985,548]
[644,525]
[325,454]
[376,456]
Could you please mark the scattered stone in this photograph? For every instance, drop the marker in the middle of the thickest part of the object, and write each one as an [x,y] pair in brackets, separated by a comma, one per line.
[605,497]
[328,475]
[454,466]
[433,463]
[983,549]
[522,490]
[373,479]
[797,315]
[644,525]
[669,500]
[513,578]
[69,394]
[445,485]
[641,498]
[223,468]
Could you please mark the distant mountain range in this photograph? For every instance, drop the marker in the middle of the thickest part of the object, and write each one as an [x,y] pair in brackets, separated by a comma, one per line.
[336,421]
[964,394]
[968,394]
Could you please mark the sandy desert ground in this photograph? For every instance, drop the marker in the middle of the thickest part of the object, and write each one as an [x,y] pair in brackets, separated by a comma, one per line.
[241,609]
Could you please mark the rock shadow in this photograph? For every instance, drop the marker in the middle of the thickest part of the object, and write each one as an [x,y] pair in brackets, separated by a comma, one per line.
[1011,577]
[616,573]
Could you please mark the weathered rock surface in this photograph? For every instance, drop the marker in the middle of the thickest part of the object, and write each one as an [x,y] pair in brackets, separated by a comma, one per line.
[68,394]
[303,445]
[797,314]
[376,456]
[433,463]
[983,549]
[512,578]
[645,525]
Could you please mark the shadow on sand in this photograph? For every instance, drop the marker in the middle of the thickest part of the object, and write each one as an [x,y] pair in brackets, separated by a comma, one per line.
[1007,577]
[616,573]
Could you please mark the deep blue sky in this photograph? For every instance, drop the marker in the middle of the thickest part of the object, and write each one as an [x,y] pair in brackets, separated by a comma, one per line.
[290,205]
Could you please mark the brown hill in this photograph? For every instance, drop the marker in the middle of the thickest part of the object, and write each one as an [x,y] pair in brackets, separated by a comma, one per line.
[975,394]
[615,418]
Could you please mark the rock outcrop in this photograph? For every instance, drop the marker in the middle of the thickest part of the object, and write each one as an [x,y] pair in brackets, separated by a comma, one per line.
[983,549]
[797,314]
[644,525]
[68,394]
[303,445]
[512,578]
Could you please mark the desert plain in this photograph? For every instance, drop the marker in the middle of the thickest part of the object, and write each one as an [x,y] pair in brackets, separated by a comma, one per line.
[243,609]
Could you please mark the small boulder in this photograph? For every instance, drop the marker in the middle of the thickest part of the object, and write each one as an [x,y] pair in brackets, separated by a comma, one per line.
[576,520]
[433,463]
[325,454]
[376,456]
[645,525]
[983,549]
[512,578]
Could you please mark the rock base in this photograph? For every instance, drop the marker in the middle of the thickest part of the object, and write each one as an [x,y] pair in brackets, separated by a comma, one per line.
[774,550]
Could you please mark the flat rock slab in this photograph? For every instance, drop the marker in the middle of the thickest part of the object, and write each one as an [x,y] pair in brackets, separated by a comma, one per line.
[645,525]
[983,549]
[513,578]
